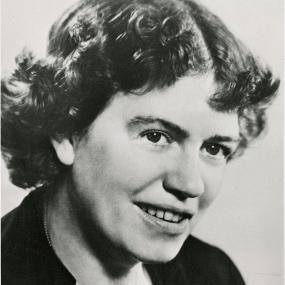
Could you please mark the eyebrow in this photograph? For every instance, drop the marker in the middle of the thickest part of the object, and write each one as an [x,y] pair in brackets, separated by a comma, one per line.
[219,139]
[177,130]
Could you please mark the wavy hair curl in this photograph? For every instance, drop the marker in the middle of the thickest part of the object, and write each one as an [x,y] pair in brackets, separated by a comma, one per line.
[100,47]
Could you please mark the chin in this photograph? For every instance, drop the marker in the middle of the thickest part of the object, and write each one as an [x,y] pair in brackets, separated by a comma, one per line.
[163,257]
[161,254]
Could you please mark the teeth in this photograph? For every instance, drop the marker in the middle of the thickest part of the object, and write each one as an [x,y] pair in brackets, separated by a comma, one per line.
[175,218]
[151,212]
[164,215]
[160,214]
[168,216]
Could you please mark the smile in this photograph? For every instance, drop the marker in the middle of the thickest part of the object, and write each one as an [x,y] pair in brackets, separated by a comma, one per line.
[164,219]
[165,215]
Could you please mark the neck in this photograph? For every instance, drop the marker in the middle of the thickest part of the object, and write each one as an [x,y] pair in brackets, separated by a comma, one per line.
[83,250]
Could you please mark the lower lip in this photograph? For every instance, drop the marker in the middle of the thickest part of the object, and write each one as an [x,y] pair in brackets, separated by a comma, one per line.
[162,226]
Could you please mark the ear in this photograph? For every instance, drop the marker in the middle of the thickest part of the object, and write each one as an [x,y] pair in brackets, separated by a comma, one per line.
[64,150]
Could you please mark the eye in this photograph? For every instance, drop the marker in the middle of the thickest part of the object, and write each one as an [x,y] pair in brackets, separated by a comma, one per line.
[216,151]
[157,137]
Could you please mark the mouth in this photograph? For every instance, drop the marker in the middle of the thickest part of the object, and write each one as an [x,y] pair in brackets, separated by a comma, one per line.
[165,218]
[164,214]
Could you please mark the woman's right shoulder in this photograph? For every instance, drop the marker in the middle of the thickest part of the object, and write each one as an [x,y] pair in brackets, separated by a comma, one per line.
[20,225]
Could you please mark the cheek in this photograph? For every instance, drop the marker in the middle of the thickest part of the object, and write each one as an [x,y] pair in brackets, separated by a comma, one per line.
[134,168]
[119,164]
[213,178]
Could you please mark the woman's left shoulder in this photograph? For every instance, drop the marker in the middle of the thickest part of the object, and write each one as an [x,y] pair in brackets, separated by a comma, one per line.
[209,261]
[197,263]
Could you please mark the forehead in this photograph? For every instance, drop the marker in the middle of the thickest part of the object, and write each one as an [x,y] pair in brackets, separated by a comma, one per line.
[184,104]
[190,90]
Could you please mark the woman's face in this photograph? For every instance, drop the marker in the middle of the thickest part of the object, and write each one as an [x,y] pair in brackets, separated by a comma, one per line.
[150,165]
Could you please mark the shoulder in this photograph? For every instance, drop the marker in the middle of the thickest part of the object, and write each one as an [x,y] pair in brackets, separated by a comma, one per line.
[210,262]
[22,242]
[21,225]
[197,263]
[194,247]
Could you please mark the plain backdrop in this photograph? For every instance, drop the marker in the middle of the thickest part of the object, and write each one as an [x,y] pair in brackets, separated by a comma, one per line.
[246,220]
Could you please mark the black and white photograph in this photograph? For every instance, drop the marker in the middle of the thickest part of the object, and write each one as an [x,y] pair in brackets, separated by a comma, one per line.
[142,142]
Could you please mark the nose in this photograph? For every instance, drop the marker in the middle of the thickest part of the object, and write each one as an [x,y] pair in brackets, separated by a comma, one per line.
[183,178]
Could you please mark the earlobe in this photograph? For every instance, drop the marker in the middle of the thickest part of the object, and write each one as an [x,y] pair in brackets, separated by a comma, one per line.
[64,150]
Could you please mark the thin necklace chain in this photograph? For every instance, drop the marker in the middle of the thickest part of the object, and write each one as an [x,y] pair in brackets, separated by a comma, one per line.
[47,235]
[46,225]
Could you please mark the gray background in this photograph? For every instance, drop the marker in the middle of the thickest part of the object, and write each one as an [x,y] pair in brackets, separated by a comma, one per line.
[246,220]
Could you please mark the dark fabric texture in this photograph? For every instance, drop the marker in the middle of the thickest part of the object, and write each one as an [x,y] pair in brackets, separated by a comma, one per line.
[27,258]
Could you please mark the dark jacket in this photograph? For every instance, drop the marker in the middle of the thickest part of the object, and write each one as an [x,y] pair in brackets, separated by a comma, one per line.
[27,258]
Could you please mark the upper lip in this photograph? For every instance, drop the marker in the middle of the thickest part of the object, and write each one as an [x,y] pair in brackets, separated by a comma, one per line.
[165,207]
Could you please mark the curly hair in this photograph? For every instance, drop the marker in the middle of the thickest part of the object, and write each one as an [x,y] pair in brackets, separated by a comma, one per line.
[101,47]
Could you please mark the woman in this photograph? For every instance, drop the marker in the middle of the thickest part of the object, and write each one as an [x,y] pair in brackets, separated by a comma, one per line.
[125,129]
